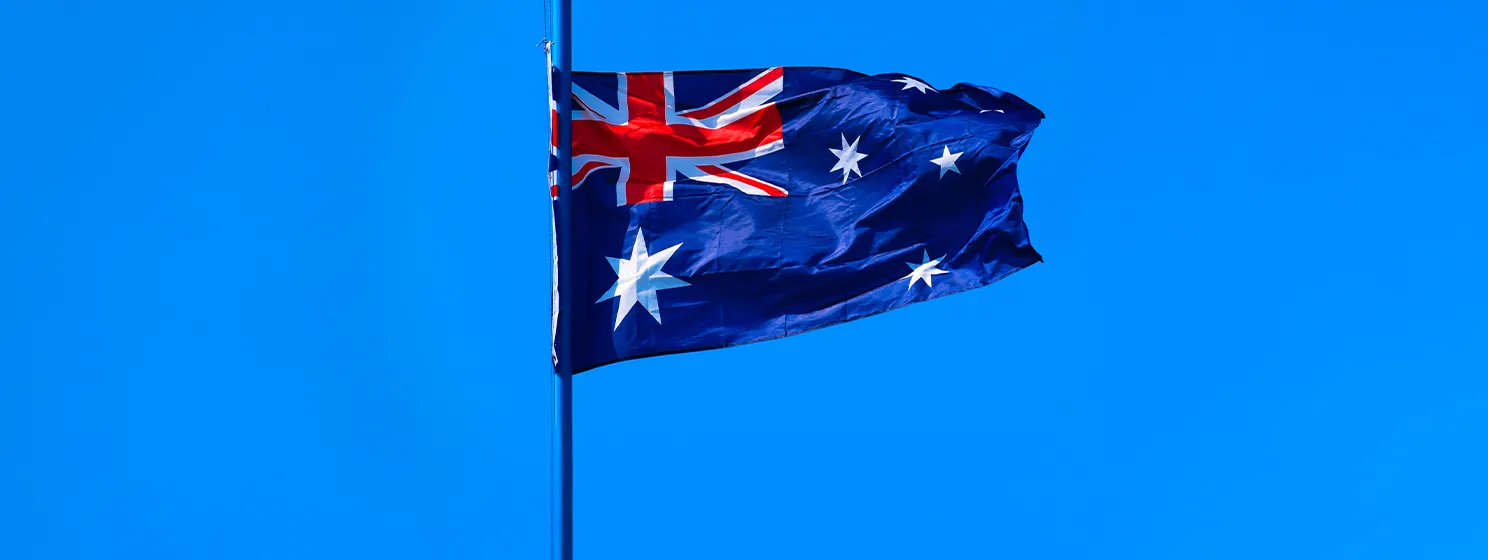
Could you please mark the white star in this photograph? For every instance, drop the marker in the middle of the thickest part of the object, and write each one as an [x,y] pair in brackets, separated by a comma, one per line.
[847,158]
[947,162]
[640,277]
[913,83]
[923,271]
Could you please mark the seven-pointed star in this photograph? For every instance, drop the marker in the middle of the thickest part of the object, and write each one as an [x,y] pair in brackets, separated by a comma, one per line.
[947,162]
[640,277]
[847,158]
[912,83]
[923,271]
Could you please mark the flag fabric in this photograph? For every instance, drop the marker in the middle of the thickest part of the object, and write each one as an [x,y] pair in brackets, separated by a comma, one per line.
[719,208]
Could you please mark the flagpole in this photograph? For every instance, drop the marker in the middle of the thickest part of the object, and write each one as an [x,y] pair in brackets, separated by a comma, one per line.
[562,523]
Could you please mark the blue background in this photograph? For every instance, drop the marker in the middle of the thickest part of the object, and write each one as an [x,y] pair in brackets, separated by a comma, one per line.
[275,286]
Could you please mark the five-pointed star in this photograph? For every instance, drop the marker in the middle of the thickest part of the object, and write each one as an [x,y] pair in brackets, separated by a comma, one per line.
[913,83]
[947,161]
[923,271]
[639,278]
[847,158]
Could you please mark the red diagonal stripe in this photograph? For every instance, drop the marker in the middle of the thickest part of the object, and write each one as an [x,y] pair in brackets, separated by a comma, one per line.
[583,172]
[772,190]
[751,88]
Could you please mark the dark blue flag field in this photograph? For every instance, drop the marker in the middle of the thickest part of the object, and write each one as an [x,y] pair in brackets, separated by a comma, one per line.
[718,208]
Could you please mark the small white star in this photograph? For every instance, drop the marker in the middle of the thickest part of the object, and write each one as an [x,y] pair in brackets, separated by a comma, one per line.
[639,278]
[947,162]
[913,83]
[847,158]
[923,271]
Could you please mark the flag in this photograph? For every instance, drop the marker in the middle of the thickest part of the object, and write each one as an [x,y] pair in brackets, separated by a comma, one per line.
[718,208]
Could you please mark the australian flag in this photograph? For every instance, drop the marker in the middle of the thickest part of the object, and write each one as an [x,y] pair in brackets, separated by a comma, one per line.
[711,209]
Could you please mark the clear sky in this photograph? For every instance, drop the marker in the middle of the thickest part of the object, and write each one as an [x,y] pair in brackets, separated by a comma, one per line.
[275,286]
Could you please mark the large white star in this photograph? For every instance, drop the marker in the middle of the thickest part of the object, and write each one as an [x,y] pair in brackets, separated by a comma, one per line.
[847,158]
[923,271]
[639,278]
[947,162]
[913,83]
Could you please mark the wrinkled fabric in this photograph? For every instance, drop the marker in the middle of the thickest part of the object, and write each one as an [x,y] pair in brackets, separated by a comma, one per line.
[746,266]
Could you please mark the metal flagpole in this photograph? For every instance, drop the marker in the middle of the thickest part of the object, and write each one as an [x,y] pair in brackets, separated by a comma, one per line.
[563,370]
[562,527]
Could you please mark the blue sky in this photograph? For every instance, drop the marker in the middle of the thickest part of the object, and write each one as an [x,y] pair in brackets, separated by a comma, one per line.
[276,287]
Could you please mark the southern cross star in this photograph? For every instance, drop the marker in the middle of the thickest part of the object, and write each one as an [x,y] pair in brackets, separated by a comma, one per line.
[912,83]
[639,278]
[923,271]
[847,158]
[947,162]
